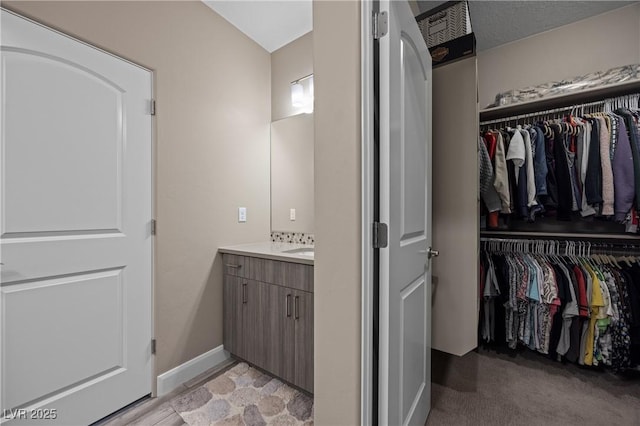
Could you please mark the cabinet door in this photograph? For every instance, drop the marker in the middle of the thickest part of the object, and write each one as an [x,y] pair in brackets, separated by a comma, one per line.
[303,325]
[279,331]
[252,337]
[232,314]
[276,315]
[288,331]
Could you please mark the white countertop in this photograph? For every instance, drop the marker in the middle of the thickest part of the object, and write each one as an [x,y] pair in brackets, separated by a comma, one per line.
[271,250]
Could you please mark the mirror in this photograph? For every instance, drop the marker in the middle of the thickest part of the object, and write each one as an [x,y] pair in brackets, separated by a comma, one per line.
[292,174]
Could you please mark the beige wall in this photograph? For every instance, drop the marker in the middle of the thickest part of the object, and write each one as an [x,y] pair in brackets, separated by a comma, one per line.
[595,44]
[455,208]
[289,63]
[212,86]
[336,49]
[292,173]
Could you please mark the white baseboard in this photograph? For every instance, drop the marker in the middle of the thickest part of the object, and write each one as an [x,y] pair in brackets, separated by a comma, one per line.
[173,378]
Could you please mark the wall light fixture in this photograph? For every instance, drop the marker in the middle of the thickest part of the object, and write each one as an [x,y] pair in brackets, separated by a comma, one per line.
[302,93]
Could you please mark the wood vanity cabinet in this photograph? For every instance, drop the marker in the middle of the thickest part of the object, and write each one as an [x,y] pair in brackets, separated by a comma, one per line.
[242,335]
[268,316]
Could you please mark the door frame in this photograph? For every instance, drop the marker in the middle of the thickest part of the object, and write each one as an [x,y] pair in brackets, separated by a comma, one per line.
[370,212]
[153,384]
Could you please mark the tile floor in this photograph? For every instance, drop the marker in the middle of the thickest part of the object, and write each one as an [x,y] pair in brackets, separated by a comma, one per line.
[159,411]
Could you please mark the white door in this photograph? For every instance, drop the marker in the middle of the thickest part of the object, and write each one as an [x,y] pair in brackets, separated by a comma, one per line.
[405,205]
[75,241]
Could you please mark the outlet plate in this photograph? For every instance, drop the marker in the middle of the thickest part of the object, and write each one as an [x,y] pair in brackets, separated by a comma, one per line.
[242,214]
[292,214]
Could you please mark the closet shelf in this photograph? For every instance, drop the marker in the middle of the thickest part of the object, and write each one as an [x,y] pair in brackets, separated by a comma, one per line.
[557,235]
[560,101]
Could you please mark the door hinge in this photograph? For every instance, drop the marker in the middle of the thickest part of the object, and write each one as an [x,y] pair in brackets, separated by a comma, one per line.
[380,235]
[152,108]
[380,24]
[153,346]
[154,225]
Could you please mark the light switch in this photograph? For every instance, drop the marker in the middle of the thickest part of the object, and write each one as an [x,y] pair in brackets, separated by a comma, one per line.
[292,214]
[242,214]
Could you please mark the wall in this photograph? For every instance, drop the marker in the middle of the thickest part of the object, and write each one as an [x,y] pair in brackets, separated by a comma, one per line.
[212,86]
[292,173]
[595,44]
[289,63]
[336,49]
[455,208]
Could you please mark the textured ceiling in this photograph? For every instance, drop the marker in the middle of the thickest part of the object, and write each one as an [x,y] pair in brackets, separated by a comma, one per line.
[499,22]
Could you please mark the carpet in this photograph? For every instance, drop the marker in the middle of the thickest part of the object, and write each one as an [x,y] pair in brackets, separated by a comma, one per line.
[245,396]
[489,388]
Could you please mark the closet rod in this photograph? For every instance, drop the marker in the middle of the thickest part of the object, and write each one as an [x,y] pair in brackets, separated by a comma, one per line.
[539,113]
[557,235]
[530,245]
[561,109]
[574,240]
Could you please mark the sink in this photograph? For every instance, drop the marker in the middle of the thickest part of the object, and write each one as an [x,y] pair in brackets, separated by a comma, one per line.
[303,251]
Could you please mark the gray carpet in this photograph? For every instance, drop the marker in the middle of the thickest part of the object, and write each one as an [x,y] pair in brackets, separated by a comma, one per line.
[489,388]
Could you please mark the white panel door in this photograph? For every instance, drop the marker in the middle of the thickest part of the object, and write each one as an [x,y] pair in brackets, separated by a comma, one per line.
[405,198]
[75,240]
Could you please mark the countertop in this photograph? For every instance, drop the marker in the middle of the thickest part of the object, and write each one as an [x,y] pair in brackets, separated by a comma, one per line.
[271,250]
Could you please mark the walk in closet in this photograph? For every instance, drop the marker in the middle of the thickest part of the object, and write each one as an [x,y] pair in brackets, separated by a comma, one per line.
[590,226]
[559,268]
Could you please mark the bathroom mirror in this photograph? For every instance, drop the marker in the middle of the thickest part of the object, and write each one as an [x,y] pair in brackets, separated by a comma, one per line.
[292,174]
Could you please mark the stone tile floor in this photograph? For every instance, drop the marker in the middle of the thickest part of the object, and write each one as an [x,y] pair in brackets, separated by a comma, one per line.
[268,401]
[245,396]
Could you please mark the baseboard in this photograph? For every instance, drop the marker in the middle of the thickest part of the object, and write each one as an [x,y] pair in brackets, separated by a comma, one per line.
[173,378]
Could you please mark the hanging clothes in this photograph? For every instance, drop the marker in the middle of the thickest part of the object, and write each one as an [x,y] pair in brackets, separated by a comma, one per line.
[577,166]
[567,307]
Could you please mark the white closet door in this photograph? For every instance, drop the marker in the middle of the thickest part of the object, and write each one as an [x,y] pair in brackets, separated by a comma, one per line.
[405,204]
[75,228]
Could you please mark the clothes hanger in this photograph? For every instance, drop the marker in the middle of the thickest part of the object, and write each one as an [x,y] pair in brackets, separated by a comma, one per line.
[551,251]
[593,260]
[605,256]
[568,250]
[626,258]
[605,262]
[630,259]
[546,250]
[575,249]
[614,262]
[596,256]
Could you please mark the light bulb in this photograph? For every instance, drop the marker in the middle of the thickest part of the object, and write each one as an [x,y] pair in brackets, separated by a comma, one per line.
[297,95]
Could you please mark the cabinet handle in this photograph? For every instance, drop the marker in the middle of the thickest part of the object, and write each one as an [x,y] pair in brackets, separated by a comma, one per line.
[244,293]
[296,307]
[231,265]
[288,302]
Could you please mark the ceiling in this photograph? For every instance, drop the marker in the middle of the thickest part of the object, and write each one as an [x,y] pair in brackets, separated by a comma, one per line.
[499,22]
[274,23]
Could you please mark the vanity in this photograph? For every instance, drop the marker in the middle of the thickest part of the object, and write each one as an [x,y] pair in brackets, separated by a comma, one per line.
[268,286]
[268,308]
